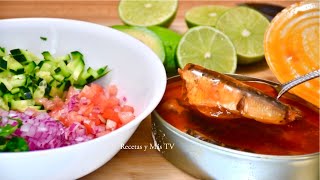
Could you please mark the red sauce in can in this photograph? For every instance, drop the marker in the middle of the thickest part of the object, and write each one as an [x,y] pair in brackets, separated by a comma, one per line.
[295,138]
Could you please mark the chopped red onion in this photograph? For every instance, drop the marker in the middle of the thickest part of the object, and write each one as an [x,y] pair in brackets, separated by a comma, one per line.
[43,132]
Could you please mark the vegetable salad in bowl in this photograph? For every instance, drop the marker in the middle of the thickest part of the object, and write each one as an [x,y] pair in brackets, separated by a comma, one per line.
[64,113]
[52,102]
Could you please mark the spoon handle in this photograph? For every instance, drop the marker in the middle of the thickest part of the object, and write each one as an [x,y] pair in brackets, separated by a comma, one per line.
[299,80]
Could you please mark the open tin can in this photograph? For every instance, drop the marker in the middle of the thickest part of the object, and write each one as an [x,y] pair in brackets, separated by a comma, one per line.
[209,161]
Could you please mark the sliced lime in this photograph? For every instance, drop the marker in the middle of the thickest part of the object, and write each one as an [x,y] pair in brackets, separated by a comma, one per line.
[170,41]
[208,47]
[245,27]
[148,12]
[146,36]
[204,15]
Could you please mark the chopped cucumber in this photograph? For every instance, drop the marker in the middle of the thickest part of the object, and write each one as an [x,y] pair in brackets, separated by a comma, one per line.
[13,65]
[15,90]
[3,87]
[21,105]
[76,66]
[10,80]
[8,97]
[40,91]
[21,55]
[2,52]
[25,93]
[47,56]
[57,90]
[64,70]
[47,65]
[24,78]
[65,58]
[3,64]
[30,67]
[58,77]
[3,104]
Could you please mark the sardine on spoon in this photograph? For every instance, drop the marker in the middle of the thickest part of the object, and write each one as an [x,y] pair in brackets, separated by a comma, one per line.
[220,96]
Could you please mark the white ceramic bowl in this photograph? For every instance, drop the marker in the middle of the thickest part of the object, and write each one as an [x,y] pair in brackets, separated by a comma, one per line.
[135,69]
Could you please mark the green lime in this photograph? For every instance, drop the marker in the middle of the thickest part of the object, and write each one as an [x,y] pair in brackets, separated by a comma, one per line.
[170,41]
[204,15]
[245,27]
[146,36]
[208,47]
[148,12]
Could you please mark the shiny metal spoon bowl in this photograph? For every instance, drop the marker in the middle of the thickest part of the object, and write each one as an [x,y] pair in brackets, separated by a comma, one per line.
[281,88]
[289,85]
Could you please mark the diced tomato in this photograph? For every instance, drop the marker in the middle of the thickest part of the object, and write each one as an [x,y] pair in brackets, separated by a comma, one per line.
[127,108]
[112,102]
[91,92]
[112,90]
[109,113]
[58,102]
[101,102]
[85,110]
[99,110]
[111,125]
[96,89]
[94,117]
[86,92]
[125,117]
[72,118]
[103,133]
[57,114]
[89,125]
[47,104]
[71,92]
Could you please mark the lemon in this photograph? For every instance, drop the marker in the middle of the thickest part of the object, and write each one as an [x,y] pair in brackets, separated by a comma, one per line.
[147,12]
[170,41]
[204,15]
[146,36]
[207,47]
[245,27]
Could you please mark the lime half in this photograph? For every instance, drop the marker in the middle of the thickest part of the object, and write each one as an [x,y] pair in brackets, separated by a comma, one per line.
[208,47]
[170,41]
[245,27]
[204,15]
[148,12]
[146,36]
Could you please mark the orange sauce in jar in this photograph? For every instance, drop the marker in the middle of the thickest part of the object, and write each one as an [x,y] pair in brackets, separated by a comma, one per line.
[295,138]
[292,47]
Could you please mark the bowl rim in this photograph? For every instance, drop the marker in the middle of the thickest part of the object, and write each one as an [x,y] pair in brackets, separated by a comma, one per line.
[229,151]
[161,86]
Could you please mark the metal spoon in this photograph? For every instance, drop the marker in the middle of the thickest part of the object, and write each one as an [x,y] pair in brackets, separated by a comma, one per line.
[287,86]
[280,88]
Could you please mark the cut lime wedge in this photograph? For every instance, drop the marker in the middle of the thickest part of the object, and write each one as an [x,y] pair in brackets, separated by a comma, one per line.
[147,12]
[204,15]
[170,41]
[146,36]
[245,27]
[208,47]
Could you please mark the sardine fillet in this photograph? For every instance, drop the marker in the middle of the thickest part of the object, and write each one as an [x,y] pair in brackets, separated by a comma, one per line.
[221,96]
